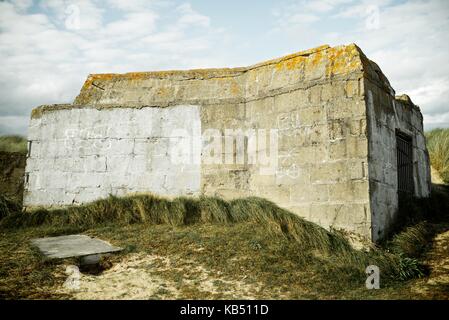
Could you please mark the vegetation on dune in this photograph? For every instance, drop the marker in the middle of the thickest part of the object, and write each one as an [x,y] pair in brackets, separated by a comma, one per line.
[148,209]
[274,246]
[438,146]
[152,210]
[13,143]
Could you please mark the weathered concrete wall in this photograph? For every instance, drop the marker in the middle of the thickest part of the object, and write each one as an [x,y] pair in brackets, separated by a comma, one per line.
[82,154]
[317,107]
[388,114]
[306,115]
[313,99]
[321,171]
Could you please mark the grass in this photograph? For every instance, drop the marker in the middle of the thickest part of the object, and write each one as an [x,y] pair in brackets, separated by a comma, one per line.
[13,143]
[438,146]
[154,210]
[274,246]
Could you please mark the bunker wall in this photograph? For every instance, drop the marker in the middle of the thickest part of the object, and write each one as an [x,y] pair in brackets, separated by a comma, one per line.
[83,154]
[122,129]
[321,170]
[387,117]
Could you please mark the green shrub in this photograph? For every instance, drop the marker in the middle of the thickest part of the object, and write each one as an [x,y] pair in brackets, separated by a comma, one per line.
[13,143]
[409,268]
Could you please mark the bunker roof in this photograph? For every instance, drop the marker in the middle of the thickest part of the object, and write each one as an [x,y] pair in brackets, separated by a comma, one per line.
[164,88]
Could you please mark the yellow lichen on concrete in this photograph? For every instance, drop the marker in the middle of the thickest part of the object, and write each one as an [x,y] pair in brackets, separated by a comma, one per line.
[288,62]
[37,112]
[164,91]
[291,64]
[222,83]
[235,88]
[193,73]
[316,58]
[343,59]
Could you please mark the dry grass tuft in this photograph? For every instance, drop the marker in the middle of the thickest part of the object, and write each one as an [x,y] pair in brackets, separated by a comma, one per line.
[438,146]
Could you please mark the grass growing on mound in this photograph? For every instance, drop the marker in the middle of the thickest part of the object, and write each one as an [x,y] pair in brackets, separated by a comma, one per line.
[13,143]
[339,258]
[438,146]
[150,209]
[291,257]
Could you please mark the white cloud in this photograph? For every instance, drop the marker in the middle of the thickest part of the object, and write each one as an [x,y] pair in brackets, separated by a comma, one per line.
[23,5]
[45,59]
[74,15]
[302,18]
[407,39]
[440,120]
[191,17]
[131,26]
[47,48]
[13,124]
[136,5]
[431,93]
[323,5]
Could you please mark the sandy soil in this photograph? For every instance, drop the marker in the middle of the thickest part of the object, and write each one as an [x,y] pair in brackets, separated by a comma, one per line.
[436,178]
[436,286]
[142,276]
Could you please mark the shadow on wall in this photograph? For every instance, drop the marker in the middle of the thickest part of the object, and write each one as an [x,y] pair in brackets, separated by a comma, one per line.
[433,209]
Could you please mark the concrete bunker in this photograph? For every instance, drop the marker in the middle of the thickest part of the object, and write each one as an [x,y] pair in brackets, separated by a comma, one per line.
[316,132]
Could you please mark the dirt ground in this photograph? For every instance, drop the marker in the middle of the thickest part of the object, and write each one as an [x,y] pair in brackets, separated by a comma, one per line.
[436,286]
[138,276]
[144,276]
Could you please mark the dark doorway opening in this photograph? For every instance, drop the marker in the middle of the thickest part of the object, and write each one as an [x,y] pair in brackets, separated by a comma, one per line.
[404,151]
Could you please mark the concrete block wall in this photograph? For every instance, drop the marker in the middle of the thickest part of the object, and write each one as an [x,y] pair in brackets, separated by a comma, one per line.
[79,155]
[321,171]
[317,104]
[318,110]
[386,115]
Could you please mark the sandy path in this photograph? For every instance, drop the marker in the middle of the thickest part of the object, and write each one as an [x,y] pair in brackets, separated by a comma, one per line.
[143,276]
[436,286]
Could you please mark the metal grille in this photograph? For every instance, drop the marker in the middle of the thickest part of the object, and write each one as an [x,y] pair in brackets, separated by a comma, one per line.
[405,163]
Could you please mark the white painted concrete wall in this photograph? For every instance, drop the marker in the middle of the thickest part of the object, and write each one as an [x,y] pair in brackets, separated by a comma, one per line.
[82,154]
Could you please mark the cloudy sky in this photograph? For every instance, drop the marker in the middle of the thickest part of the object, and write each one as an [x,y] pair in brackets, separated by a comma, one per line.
[47,48]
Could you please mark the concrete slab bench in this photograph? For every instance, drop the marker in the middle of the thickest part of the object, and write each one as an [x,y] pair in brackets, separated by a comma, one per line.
[77,245]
